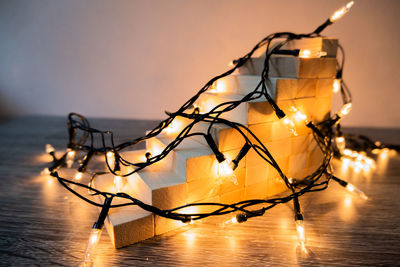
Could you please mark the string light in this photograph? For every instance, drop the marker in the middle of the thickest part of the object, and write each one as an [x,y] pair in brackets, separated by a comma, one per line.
[298,217]
[336,86]
[174,127]
[350,188]
[95,234]
[305,53]
[70,157]
[217,87]
[344,110]
[341,12]
[323,135]
[49,149]
[119,183]
[290,125]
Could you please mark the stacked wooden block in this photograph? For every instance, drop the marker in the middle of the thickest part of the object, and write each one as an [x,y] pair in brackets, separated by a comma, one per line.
[189,173]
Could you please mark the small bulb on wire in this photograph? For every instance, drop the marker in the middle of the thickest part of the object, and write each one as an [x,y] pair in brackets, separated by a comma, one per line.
[70,157]
[78,176]
[336,86]
[352,189]
[305,53]
[340,12]
[174,127]
[217,87]
[110,159]
[226,171]
[344,110]
[95,233]
[119,183]
[49,149]
[340,143]
[45,171]
[290,125]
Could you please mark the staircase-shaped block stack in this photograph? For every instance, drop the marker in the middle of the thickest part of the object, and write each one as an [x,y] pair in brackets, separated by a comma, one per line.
[189,173]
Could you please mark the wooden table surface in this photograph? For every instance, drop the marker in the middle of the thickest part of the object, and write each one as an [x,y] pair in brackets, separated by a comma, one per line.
[43,224]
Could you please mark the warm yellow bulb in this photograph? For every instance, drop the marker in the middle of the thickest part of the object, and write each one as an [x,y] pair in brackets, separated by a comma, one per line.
[290,125]
[49,148]
[340,142]
[345,110]
[70,157]
[110,159]
[174,127]
[94,239]
[305,53]
[45,171]
[352,189]
[225,171]
[230,221]
[336,86]
[217,87]
[78,176]
[119,183]
[340,12]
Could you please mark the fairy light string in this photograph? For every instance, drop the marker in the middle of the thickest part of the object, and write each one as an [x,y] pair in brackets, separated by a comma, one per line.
[326,133]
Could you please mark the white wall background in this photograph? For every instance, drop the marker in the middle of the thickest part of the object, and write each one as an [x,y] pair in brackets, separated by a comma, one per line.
[135,59]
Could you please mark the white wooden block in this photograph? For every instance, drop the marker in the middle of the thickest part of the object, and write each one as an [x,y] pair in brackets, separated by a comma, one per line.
[129,224]
[317,44]
[292,67]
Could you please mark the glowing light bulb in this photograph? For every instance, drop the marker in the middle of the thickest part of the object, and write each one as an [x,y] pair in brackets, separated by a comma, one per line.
[119,183]
[225,171]
[340,12]
[301,234]
[94,239]
[305,53]
[345,110]
[230,222]
[49,149]
[70,157]
[45,171]
[110,159]
[352,189]
[217,87]
[336,86]
[174,127]
[340,143]
[78,176]
[290,125]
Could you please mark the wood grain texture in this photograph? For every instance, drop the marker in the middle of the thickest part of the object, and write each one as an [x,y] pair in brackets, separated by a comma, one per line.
[42,224]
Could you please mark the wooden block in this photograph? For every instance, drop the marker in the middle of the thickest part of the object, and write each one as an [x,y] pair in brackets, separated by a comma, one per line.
[262,131]
[239,85]
[227,185]
[261,112]
[230,139]
[324,88]
[170,197]
[297,165]
[163,225]
[257,173]
[138,227]
[327,68]
[315,157]
[292,67]
[322,108]
[306,88]
[233,196]
[204,188]
[257,190]
[129,224]
[317,44]
[300,144]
